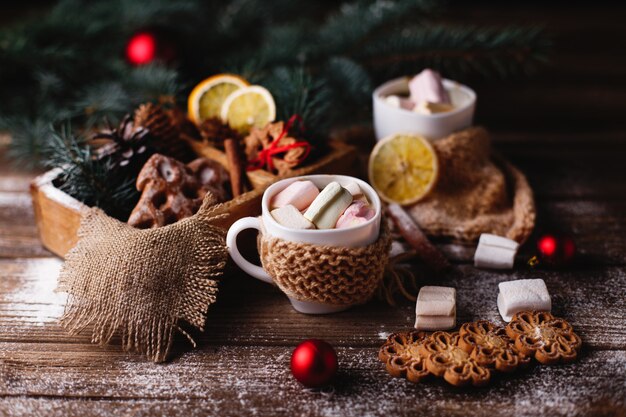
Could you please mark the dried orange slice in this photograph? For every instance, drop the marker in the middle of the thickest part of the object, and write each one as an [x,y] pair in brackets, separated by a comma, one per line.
[403,168]
[249,107]
[206,98]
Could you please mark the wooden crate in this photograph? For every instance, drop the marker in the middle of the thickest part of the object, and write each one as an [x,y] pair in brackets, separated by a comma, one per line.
[58,215]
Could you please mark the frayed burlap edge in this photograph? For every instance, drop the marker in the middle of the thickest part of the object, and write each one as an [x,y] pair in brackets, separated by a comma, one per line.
[151,282]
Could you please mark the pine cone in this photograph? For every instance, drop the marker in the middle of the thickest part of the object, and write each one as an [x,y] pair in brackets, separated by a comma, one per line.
[153,118]
[214,132]
[165,134]
[125,146]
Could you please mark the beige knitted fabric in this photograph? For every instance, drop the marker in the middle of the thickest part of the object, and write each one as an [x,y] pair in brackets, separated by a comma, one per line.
[142,283]
[325,274]
[475,193]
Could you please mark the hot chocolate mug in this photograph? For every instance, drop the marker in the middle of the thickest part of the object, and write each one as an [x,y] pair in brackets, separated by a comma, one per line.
[352,237]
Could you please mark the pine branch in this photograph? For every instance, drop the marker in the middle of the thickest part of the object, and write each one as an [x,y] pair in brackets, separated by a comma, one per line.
[458,50]
[71,59]
[88,179]
[296,92]
[355,21]
[105,100]
[154,82]
[29,140]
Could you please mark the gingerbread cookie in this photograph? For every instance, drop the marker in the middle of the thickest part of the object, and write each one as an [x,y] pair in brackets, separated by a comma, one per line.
[171,191]
[490,346]
[445,358]
[401,355]
[549,339]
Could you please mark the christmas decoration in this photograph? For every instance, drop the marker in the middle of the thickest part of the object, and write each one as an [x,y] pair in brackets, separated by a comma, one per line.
[314,363]
[206,99]
[91,178]
[273,149]
[214,132]
[148,46]
[126,145]
[349,45]
[141,48]
[555,250]
[165,133]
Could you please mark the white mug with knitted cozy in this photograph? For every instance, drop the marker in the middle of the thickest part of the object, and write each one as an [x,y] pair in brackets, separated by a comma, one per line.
[353,237]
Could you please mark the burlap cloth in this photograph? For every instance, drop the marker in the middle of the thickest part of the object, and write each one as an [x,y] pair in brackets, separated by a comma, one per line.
[476,192]
[325,274]
[141,284]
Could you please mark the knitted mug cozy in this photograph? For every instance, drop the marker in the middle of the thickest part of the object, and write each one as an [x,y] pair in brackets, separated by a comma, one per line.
[325,274]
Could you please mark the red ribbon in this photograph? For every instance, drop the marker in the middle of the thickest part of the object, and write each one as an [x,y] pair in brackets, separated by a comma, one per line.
[265,155]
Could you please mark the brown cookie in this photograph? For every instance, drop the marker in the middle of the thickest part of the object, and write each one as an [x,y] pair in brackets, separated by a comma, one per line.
[401,355]
[445,358]
[171,190]
[549,339]
[490,346]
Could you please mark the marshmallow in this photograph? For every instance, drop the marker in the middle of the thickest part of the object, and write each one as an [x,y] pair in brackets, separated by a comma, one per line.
[427,86]
[328,206]
[522,295]
[435,322]
[357,213]
[354,188]
[436,301]
[399,102]
[435,308]
[427,107]
[495,252]
[289,216]
[299,194]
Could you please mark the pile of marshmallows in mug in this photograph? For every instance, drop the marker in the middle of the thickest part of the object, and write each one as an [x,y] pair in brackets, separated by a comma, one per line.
[303,206]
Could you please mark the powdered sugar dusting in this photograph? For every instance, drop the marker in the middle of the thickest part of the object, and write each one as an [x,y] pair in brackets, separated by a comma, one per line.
[255,381]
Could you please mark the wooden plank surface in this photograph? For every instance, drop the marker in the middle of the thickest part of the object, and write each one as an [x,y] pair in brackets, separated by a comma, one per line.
[564,128]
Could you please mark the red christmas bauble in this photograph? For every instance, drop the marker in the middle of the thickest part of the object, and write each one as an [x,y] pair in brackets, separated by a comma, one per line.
[148,46]
[314,363]
[141,48]
[556,250]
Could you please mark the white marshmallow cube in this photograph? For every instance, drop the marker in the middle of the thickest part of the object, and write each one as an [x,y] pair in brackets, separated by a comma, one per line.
[522,295]
[435,308]
[289,216]
[495,252]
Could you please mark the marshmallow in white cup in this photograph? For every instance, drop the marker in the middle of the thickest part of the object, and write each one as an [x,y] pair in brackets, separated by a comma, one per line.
[390,119]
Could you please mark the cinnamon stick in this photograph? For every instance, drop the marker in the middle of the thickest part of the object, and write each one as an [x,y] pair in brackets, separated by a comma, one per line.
[237,168]
[414,236]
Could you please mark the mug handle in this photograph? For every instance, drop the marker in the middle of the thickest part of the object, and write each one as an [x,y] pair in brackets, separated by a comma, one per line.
[231,241]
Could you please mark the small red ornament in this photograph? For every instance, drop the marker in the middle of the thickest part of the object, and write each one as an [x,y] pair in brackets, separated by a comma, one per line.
[556,251]
[141,48]
[148,46]
[314,363]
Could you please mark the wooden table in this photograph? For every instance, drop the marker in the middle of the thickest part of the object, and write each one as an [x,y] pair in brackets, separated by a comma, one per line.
[565,129]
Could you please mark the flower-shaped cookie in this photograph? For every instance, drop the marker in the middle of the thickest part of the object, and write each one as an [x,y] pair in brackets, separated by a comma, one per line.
[490,346]
[549,339]
[445,358]
[402,357]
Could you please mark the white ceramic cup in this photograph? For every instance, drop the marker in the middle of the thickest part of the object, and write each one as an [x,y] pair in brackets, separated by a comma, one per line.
[356,236]
[389,120]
